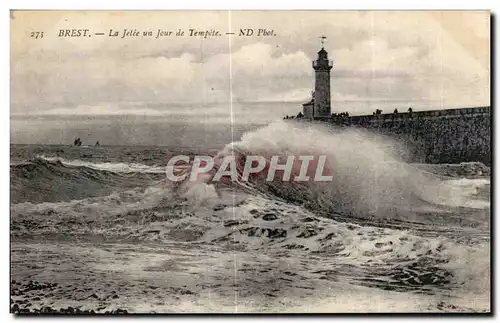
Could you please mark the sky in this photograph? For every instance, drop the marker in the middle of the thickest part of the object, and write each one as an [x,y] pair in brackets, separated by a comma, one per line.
[427,60]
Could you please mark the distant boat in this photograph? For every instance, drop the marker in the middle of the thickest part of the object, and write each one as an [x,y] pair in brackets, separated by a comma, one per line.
[97,144]
[77,142]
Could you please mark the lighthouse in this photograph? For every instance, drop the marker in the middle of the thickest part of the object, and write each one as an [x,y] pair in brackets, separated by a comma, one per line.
[319,106]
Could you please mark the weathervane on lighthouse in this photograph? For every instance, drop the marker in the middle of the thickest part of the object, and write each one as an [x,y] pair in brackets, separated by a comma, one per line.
[322,41]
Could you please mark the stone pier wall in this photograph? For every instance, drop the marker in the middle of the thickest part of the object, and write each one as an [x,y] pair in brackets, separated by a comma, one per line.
[439,136]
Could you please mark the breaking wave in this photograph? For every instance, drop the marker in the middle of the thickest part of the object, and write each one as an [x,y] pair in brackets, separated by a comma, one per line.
[380,223]
[369,180]
[390,258]
[110,167]
[54,179]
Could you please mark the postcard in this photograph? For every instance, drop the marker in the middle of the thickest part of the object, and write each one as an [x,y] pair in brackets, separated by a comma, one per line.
[250,162]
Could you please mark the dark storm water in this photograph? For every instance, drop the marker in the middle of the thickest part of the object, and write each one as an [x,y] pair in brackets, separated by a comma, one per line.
[382,224]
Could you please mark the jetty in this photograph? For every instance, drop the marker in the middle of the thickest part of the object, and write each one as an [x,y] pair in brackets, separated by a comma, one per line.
[432,136]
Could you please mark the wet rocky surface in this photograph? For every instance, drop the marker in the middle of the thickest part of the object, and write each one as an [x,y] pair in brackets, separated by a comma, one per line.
[28,298]
[249,259]
[92,279]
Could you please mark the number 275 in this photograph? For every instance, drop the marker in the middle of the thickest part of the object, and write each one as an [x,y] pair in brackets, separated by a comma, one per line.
[36,34]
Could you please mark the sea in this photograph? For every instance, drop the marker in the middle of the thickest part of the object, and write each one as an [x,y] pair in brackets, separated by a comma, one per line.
[103,229]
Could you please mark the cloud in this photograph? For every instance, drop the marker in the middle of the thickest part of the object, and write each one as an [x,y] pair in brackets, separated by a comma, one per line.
[295,95]
[377,56]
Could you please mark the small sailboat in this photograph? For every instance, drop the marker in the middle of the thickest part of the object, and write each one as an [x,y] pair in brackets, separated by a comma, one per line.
[77,142]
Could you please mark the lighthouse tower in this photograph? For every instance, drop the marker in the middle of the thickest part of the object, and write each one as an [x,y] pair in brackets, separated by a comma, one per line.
[322,67]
